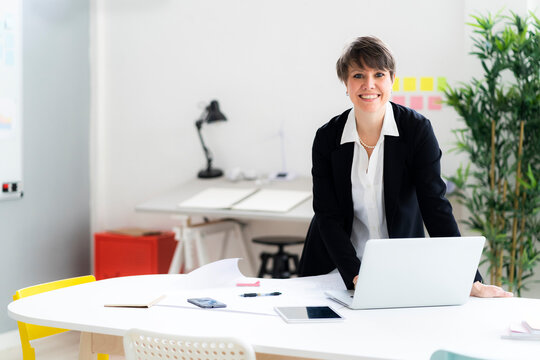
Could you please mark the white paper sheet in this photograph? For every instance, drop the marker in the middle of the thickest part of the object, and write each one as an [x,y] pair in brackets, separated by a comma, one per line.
[218,281]
[273,200]
[217,198]
[263,305]
[221,273]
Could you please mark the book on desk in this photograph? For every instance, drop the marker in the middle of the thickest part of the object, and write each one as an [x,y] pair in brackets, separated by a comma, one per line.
[528,329]
[142,302]
[248,199]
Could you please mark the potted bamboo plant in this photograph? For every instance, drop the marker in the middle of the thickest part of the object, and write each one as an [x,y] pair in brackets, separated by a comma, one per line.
[501,111]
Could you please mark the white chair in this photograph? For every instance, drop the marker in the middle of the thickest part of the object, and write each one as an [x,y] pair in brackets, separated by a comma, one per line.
[148,345]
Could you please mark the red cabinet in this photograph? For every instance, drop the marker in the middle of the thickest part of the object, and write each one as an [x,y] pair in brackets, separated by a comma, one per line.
[122,255]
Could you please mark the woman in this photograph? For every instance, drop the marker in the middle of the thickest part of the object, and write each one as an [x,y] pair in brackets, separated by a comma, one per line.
[376,172]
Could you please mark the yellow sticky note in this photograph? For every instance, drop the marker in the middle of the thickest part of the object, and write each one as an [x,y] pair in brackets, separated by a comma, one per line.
[426,84]
[441,84]
[409,84]
[395,87]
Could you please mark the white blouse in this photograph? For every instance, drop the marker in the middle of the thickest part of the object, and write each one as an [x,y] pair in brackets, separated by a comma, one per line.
[367,182]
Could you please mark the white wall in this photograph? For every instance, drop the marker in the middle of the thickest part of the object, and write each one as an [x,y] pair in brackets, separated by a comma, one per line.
[267,62]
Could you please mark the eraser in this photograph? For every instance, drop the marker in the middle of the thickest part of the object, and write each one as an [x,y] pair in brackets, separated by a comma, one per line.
[257,283]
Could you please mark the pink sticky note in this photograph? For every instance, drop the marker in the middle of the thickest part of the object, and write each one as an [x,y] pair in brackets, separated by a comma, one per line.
[434,103]
[399,100]
[256,283]
[416,102]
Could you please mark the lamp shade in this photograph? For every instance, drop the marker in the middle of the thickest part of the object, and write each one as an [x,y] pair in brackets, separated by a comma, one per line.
[213,113]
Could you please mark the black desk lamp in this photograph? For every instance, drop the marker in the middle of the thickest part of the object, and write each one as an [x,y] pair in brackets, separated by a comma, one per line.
[211,114]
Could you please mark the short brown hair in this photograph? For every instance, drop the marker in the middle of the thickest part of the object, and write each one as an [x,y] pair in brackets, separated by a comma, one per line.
[365,51]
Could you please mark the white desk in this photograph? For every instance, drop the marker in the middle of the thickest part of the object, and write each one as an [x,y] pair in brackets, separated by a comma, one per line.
[168,204]
[473,329]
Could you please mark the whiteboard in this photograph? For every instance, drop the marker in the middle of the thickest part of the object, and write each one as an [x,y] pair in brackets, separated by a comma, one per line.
[11,185]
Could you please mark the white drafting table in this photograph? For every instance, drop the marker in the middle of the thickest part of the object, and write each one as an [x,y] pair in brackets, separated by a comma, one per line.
[473,329]
[168,203]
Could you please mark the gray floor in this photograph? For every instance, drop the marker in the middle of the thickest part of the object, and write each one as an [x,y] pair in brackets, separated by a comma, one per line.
[57,347]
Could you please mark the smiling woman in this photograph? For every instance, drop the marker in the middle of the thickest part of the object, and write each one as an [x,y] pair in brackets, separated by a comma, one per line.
[367,68]
[369,90]
[376,172]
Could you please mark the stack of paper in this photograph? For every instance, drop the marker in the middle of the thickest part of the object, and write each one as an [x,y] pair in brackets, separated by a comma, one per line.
[532,326]
[527,330]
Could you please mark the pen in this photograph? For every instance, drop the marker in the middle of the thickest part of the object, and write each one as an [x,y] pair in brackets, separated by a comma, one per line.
[259,294]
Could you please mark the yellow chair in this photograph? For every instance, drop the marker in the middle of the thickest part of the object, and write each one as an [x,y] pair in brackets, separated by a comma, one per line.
[30,332]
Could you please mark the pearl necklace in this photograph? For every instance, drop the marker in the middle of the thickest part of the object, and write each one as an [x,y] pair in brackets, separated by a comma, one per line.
[366,145]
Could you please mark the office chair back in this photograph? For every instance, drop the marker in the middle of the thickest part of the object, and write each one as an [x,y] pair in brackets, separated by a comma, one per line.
[147,345]
[30,332]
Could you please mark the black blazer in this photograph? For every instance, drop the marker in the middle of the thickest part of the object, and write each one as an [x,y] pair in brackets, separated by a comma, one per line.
[414,193]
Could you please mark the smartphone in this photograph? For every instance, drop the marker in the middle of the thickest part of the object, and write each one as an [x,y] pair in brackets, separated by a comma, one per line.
[206,302]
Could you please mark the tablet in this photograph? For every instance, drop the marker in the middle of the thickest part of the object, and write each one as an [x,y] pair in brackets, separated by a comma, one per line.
[300,314]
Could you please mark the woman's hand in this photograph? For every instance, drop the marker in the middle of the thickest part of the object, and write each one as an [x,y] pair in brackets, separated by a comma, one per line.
[486,291]
[478,290]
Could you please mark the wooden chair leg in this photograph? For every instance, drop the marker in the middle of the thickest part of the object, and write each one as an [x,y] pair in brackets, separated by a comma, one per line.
[99,344]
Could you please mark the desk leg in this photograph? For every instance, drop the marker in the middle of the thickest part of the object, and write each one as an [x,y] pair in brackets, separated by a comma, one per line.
[225,244]
[99,344]
[190,240]
[85,346]
[177,260]
[202,257]
[187,238]
[245,243]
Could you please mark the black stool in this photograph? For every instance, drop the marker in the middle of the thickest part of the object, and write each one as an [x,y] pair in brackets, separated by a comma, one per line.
[280,260]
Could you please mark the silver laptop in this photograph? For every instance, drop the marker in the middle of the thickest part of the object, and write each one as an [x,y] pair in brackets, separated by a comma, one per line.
[414,272]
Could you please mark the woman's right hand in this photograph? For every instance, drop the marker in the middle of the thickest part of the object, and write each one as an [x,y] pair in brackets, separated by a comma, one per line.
[355,280]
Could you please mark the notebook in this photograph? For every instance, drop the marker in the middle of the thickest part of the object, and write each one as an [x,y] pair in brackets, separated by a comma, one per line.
[414,272]
[142,301]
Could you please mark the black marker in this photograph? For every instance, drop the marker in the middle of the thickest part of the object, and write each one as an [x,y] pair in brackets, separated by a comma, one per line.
[259,294]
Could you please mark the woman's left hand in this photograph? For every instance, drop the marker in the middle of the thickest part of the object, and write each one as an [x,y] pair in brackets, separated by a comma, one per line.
[487,291]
